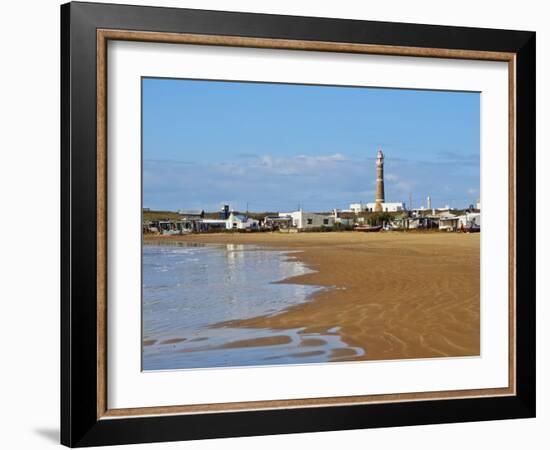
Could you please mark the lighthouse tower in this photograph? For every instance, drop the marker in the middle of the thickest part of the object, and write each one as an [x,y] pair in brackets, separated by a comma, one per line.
[379,181]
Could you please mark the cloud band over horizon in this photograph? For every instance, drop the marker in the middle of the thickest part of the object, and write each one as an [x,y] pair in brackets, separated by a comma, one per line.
[276,147]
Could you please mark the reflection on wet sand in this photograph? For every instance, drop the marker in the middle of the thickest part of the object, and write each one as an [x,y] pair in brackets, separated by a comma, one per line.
[221,347]
[192,292]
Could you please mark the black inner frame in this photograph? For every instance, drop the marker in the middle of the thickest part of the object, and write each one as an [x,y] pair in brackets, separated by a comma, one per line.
[79,423]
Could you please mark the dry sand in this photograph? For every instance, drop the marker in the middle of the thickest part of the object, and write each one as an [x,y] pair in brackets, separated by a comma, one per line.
[396,295]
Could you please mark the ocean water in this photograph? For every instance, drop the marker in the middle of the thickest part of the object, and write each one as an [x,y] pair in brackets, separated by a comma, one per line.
[191,290]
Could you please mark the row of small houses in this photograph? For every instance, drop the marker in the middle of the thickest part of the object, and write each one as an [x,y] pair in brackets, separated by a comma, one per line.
[447,222]
[189,223]
[303,221]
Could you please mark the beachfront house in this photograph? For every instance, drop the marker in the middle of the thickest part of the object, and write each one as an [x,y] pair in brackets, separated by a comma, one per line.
[415,223]
[305,220]
[241,222]
[470,221]
[448,223]
[213,224]
[343,218]
[166,227]
[277,223]
[191,220]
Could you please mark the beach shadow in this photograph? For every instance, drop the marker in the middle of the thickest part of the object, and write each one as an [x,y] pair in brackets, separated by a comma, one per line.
[50,434]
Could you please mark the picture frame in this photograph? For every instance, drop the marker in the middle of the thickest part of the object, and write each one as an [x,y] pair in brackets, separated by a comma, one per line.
[86,29]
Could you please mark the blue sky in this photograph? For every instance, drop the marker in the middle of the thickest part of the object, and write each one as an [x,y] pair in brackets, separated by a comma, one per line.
[279,146]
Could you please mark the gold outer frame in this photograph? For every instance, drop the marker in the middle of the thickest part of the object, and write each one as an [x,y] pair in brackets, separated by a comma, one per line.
[103,36]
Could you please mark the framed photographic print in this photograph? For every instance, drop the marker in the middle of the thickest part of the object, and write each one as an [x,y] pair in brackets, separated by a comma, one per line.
[276,224]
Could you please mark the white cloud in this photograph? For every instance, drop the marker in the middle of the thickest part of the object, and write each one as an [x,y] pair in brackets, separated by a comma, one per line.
[321,158]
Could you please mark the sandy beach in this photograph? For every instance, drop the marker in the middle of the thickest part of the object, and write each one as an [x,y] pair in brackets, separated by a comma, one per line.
[396,295]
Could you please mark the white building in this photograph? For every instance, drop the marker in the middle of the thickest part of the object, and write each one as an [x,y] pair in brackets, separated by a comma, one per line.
[240,222]
[465,222]
[303,220]
[233,222]
[469,219]
[369,207]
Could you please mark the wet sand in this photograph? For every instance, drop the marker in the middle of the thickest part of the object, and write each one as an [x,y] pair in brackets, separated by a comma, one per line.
[396,295]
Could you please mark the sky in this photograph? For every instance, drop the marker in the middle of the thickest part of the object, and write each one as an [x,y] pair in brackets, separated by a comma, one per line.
[278,147]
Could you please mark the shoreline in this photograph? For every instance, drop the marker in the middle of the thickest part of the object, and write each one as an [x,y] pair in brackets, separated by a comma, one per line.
[395,295]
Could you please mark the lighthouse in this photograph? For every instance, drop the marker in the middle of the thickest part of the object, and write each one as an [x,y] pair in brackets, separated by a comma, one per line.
[379,181]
